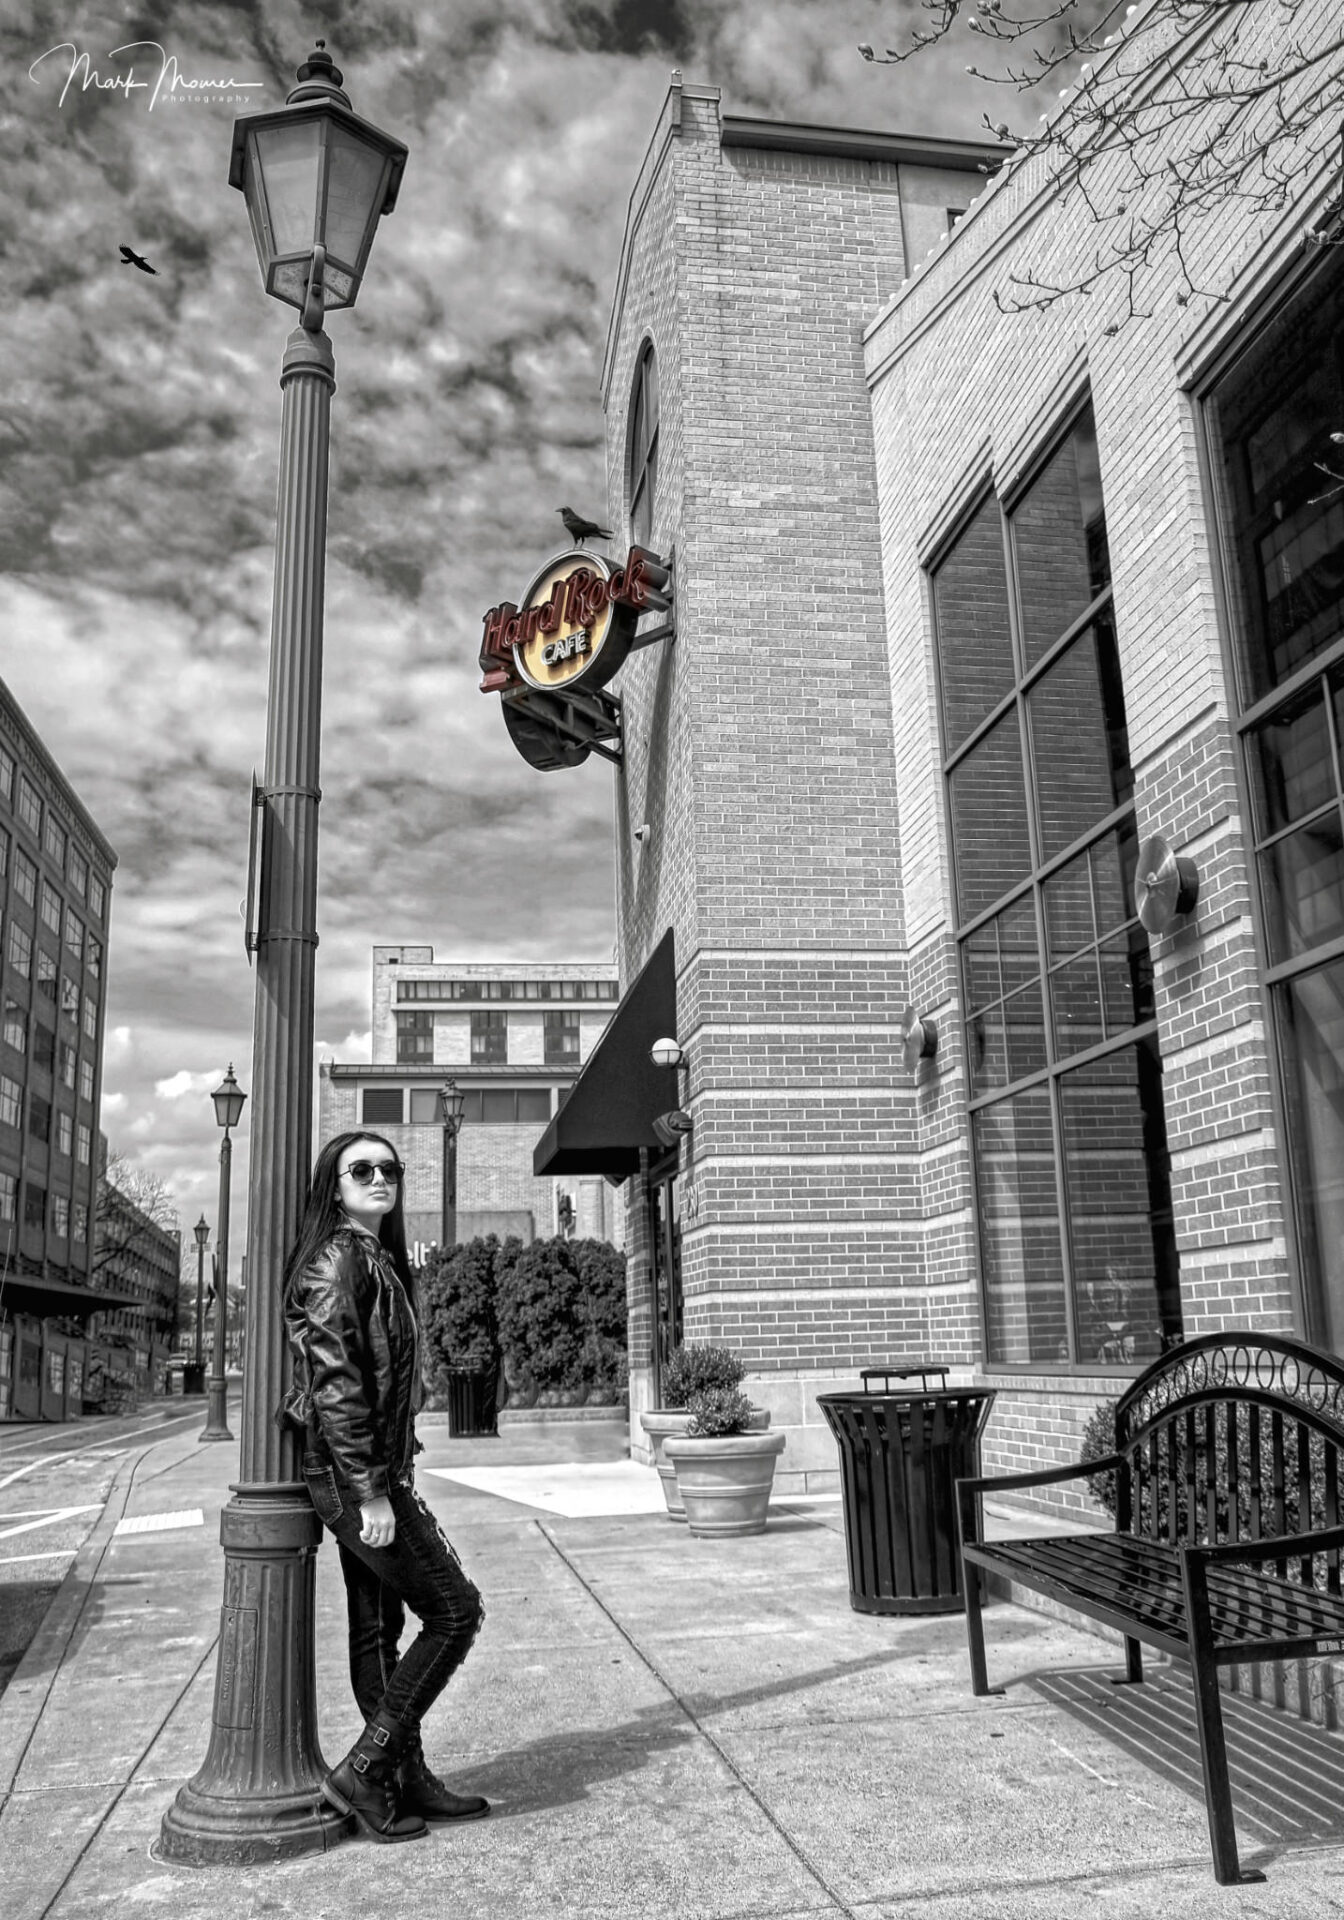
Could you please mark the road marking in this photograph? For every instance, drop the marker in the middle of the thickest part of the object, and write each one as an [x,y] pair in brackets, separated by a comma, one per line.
[161,1522]
[17,1559]
[56,1515]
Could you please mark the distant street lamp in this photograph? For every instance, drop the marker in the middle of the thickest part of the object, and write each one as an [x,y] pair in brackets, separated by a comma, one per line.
[452,1105]
[316,179]
[229,1100]
[202,1232]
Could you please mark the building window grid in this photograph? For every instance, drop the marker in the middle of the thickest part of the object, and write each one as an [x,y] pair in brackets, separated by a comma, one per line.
[79,872]
[50,909]
[6,774]
[1286,646]
[97,896]
[489,1038]
[415,1039]
[11,1103]
[20,950]
[29,806]
[55,841]
[1057,1065]
[25,876]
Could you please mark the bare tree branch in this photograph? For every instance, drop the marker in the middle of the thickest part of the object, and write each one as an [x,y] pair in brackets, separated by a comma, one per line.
[1162,115]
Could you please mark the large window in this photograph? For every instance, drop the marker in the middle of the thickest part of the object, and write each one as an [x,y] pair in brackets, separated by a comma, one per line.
[415,1039]
[499,1106]
[560,1039]
[1282,513]
[489,1038]
[644,447]
[1068,1136]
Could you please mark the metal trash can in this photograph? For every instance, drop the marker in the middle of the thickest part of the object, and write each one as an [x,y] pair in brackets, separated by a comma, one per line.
[471,1404]
[901,1455]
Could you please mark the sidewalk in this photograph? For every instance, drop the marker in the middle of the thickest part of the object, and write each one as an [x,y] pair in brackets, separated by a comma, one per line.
[667,1727]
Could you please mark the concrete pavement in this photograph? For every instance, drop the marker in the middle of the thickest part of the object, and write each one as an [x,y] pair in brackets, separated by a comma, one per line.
[667,1727]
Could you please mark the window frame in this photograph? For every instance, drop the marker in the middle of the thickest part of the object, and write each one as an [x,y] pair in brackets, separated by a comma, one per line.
[641,464]
[1028,675]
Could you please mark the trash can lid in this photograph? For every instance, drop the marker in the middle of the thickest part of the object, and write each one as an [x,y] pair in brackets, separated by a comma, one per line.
[900,1373]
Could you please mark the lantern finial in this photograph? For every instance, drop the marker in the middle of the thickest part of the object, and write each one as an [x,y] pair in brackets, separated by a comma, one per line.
[319,78]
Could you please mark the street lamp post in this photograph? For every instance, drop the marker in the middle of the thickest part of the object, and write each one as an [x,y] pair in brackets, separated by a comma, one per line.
[452,1104]
[316,179]
[202,1233]
[229,1100]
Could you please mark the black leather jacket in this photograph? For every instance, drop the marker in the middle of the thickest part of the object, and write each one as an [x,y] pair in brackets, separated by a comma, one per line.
[356,1346]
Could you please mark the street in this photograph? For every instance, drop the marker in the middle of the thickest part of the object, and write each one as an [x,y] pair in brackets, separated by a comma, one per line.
[54,1481]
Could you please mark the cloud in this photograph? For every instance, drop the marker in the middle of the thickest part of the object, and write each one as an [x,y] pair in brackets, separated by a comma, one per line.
[139,433]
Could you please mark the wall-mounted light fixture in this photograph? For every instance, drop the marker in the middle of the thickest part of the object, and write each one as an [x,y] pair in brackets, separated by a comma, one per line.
[1166,884]
[919,1038]
[667,1053]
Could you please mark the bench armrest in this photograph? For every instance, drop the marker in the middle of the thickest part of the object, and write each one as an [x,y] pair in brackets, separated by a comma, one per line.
[1282,1546]
[969,1489]
[1081,1470]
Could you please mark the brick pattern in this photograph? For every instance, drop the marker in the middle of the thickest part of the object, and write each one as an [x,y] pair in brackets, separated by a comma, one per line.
[759,751]
[959,392]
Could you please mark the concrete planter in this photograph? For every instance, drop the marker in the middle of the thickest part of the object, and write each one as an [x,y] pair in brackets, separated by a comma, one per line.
[659,1423]
[725,1483]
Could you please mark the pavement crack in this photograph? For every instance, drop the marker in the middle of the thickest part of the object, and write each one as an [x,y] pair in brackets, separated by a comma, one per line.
[705,1732]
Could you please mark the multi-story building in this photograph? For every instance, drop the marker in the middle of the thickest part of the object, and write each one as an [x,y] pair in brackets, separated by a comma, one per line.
[139,1259]
[513,1036]
[970,605]
[55,883]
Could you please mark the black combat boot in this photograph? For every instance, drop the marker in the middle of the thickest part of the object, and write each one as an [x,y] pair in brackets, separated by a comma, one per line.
[364,1784]
[424,1793]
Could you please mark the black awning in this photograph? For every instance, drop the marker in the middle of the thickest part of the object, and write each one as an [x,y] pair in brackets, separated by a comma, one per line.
[609,1114]
[29,1293]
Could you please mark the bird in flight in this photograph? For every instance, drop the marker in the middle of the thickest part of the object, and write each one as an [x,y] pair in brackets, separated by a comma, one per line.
[129,258]
[580,529]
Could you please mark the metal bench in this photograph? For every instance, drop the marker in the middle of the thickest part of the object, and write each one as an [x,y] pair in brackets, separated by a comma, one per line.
[1228,1466]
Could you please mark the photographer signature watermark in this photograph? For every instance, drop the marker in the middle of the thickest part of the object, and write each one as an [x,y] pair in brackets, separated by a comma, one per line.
[169,83]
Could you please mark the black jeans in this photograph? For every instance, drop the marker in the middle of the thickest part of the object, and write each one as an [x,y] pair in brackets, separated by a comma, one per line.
[419,1570]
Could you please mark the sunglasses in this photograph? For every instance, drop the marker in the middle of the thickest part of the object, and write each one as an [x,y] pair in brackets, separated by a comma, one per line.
[362,1171]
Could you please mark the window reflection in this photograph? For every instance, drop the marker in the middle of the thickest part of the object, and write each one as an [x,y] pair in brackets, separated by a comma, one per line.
[970,596]
[989,819]
[1121,1234]
[1079,741]
[1020,1250]
[1059,541]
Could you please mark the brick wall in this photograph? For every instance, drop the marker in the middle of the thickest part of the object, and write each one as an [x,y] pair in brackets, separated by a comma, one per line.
[759,751]
[963,395]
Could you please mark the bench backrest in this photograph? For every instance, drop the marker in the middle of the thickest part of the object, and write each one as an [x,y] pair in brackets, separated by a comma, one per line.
[1237,1436]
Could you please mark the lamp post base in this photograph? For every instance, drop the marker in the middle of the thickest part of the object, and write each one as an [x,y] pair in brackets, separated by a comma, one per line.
[258,1795]
[216,1411]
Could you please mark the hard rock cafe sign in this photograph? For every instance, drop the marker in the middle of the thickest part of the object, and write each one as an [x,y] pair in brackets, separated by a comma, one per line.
[550,654]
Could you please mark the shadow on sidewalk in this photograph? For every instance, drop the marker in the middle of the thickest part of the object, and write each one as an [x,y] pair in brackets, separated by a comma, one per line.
[1287,1774]
[566,1766]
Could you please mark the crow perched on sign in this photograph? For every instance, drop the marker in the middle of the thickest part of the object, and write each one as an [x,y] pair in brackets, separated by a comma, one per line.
[129,258]
[579,529]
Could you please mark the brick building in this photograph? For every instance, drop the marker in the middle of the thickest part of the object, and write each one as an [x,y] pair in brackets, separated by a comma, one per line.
[758,750]
[513,1035]
[970,604]
[140,1259]
[56,887]
[1115,586]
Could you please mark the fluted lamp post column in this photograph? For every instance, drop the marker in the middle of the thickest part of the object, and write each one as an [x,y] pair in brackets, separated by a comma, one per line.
[316,179]
[202,1233]
[229,1100]
[452,1105]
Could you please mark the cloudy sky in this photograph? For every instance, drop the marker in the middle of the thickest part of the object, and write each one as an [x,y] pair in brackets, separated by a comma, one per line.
[139,425]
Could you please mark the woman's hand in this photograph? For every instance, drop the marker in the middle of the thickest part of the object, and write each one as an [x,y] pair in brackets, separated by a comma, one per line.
[378,1523]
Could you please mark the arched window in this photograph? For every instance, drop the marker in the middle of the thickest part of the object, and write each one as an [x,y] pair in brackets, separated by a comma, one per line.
[644,447]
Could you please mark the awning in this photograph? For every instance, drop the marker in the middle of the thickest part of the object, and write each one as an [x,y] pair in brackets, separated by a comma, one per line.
[28,1293]
[609,1114]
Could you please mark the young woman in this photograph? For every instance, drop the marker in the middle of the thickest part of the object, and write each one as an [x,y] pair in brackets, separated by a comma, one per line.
[350,1315]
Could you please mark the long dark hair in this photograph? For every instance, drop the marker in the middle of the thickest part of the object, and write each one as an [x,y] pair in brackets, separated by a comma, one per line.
[323,1214]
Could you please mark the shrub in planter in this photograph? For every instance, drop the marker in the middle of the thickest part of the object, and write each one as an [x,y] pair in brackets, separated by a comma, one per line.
[562,1316]
[699,1369]
[458,1315]
[716,1411]
[538,1324]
